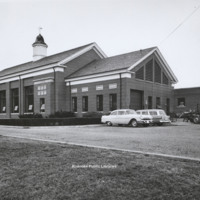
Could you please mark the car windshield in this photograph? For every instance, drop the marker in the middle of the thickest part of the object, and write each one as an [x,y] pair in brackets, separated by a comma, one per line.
[113,113]
[162,112]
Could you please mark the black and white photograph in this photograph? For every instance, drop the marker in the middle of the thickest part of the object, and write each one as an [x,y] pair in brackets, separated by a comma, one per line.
[99,100]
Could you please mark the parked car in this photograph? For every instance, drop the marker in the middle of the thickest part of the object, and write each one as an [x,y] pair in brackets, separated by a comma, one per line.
[126,116]
[159,116]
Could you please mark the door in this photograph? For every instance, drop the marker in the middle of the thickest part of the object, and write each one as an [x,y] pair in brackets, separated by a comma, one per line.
[136,99]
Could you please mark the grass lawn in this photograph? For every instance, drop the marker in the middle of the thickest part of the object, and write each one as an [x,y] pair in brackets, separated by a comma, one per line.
[38,170]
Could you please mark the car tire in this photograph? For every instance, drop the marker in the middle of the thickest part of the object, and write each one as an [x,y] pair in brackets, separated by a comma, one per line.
[133,123]
[196,120]
[109,123]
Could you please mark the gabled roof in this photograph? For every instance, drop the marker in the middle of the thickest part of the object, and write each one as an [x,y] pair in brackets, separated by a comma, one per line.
[44,61]
[114,63]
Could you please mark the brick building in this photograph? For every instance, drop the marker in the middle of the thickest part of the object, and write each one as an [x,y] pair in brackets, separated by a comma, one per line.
[187,99]
[84,79]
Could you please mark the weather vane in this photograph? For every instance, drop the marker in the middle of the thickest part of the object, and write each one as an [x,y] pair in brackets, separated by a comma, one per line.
[40,28]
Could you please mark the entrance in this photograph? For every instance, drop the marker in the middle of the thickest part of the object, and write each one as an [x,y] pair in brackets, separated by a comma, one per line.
[136,99]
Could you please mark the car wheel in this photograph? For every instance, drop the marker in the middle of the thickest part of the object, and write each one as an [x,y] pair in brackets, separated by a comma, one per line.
[134,123]
[196,120]
[109,123]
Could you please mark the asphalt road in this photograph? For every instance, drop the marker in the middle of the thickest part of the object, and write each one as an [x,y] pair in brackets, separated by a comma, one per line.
[181,140]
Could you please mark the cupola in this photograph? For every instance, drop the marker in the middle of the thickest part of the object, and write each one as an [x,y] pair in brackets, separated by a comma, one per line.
[39,48]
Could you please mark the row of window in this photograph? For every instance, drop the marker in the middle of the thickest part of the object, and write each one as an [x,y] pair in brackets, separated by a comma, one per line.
[99,103]
[28,100]
[146,73]
[98,87]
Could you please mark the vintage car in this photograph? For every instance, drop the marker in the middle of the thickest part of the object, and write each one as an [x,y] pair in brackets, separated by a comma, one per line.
[126,116]
[159,116]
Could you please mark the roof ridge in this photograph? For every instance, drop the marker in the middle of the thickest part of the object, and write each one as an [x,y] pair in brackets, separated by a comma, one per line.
[25,63]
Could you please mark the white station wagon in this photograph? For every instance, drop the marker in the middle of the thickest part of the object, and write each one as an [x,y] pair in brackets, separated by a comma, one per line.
[126,116]
[159,116]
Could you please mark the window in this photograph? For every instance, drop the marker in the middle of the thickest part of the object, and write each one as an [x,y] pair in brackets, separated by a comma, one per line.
[113,113]
[74,104]
[113,101]
[42,90]
[158,102]
[85,103]
[84,89]
[121,112]
[149,71]
[15,100]
[181,102]
[150,103]
[113,86]
[29,99]
[2,101]
[99,102]
[165,79]
[140,73]
[42,105]
[74,90]
[157,73]
[99,87]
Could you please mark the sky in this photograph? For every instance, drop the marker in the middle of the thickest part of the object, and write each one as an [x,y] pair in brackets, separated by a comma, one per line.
[117,26]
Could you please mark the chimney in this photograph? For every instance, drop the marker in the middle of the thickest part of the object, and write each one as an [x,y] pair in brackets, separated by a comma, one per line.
[39,48]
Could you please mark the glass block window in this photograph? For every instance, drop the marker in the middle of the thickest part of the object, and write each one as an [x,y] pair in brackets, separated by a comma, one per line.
[113,86]
[74,90]
[84,89]
[99,87]
[42,90]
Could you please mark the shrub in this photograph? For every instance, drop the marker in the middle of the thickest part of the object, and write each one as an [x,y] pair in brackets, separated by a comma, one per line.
[93,114]
[62,114]
[34,115]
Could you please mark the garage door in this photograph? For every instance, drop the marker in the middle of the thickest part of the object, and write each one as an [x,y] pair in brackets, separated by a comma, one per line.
[136,99]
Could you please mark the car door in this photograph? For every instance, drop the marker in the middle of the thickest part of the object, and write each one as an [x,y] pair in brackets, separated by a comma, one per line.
[113,117]
[121,117]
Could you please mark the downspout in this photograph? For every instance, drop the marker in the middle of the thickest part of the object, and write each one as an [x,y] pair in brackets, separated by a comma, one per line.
[120,90]
[70,103]
[20,97]
[54,88]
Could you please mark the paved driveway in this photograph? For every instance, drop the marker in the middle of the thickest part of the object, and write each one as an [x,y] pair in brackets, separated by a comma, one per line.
[181,140]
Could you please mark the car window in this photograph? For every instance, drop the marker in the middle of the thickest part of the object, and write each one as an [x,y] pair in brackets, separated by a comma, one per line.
[113,113]
[138,112]
[129,112]
[162,112]
[153,113]
[121,112]
[144,113]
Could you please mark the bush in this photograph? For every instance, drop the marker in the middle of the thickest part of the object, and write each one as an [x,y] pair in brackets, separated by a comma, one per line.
[93,114]
[50,121]
[34,115]
[62,114]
